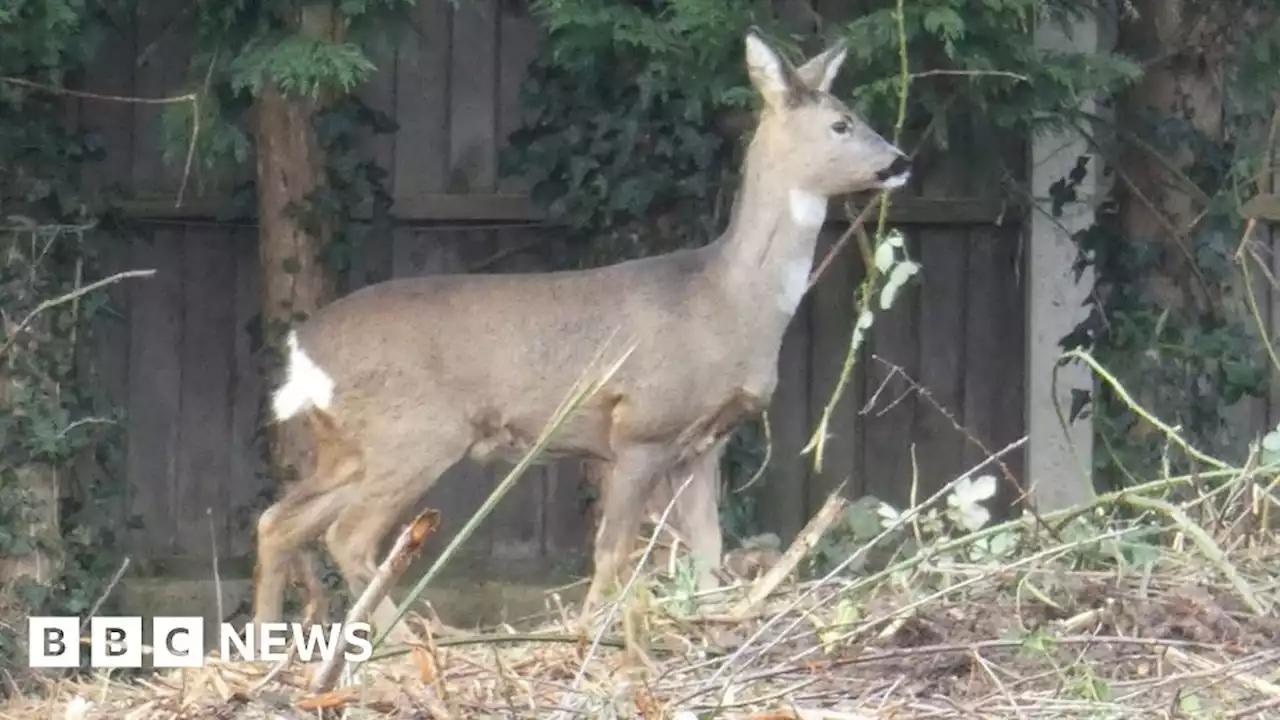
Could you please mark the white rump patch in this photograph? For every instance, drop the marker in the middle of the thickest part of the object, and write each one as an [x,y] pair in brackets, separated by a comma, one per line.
[807,209]
[795,281]
[305,385]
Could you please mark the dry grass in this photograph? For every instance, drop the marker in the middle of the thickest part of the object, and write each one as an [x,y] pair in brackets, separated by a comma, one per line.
[1169,611]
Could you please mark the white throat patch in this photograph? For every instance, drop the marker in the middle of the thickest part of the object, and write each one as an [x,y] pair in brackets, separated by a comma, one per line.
[795,281]
[807,210]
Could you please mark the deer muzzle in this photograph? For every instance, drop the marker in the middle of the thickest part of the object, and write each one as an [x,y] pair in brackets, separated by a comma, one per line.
[896,174]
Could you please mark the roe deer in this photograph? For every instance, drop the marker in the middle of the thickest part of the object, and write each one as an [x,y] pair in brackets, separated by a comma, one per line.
[402,379]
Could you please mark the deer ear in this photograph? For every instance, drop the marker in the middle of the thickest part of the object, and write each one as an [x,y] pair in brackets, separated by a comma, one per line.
[769,72]
[822,69]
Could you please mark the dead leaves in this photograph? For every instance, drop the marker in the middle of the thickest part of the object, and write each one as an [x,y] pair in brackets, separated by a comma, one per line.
[325,701]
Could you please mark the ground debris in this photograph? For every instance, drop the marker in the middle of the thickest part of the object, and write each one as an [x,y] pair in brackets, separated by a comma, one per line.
[1038,634]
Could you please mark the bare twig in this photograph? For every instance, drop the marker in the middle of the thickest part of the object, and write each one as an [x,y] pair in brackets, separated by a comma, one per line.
[217,576]
[97,604]
[854,225]
[906,517]
[405,548]
[970,73]
[800,548]
[189,97]
[49,304]
[277,668]
[1206,544]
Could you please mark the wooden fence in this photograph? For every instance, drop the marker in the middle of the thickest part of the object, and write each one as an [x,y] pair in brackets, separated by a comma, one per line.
[179,355]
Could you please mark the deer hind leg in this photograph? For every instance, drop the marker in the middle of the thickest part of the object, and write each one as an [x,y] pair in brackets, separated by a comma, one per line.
[299,517]
[390,486]
[697,515]
[306,568]
[282,531]
[630,482]
[694,515]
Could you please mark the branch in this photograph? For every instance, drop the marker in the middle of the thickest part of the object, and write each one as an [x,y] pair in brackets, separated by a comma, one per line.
[803,545]
[407,545]
[189,97]
[48,304]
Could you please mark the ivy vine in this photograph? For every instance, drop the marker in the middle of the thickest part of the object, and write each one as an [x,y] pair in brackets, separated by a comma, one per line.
[1188,362]
[54,421]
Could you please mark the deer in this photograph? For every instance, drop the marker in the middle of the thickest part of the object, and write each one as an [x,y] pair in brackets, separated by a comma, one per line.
[402,379]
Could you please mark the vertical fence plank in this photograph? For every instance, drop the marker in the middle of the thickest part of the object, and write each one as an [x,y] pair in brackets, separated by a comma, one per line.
[890,410]
[520,36]
[782,496]
[371,258]
[422,102]
[1011,362]
[155,377]
[379,93]
[247,480]
[111,73]
[164,34]
[204,419]
[944,259]
[833,319]
[105,360]
[985,329]
[473,97]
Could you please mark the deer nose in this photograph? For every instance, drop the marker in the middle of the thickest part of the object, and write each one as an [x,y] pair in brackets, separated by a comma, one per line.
[900,166]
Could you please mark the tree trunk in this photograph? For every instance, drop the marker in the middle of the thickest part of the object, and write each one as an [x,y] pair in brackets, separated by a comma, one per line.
[1159,205]
[295,281]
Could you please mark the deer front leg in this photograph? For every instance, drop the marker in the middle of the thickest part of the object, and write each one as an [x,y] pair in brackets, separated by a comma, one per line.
[630,481]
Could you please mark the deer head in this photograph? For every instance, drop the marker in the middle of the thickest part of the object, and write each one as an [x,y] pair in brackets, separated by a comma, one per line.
[823,147]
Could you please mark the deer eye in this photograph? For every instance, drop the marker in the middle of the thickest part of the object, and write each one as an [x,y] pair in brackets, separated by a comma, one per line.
[840,127]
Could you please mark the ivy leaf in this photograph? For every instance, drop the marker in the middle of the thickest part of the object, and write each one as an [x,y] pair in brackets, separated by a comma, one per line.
[1079,399]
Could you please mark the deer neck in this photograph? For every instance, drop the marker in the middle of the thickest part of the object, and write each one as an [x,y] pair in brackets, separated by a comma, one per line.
[765,256]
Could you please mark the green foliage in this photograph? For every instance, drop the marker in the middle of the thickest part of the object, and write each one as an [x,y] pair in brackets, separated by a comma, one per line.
[618,139]
[50,419]
[38,36]
[39,41]
[299,65]
[52,422]
[240,46]
[350,179]
[1186,363]
[977,75]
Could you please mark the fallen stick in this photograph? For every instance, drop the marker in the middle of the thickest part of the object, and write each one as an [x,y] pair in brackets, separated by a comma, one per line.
[407,545]
[803,545]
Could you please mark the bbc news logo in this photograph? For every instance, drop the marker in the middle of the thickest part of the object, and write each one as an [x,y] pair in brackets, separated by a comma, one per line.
[178,642]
